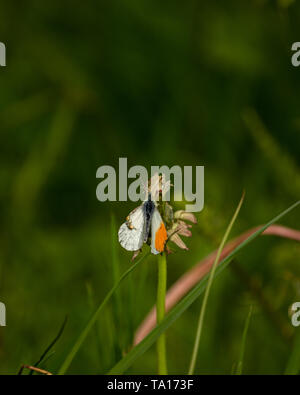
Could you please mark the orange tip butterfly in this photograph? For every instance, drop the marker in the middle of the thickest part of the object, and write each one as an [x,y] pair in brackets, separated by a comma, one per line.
[142,222]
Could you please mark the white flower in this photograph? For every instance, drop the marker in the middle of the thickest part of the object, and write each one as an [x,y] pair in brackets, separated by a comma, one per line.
[181,228]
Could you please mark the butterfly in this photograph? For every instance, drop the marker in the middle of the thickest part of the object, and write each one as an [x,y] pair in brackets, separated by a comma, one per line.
[141,223]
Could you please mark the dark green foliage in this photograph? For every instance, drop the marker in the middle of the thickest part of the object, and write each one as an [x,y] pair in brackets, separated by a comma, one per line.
[172,82]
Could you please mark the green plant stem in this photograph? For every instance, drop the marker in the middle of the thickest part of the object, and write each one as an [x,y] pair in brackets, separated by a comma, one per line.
[207,290]
[160,312]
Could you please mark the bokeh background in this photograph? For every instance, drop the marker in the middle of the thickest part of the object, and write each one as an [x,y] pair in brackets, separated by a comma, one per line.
[159,82]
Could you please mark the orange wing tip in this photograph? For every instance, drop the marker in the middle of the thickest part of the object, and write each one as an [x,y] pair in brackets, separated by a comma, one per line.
[161,237]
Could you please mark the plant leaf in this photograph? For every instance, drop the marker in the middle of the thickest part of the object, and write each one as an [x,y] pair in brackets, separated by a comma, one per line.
[209,284]
[177,311]
[67,362]
[239,368]
[45,356]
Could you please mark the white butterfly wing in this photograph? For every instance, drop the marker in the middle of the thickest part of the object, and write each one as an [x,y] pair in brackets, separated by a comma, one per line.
[159,234]
[131,233]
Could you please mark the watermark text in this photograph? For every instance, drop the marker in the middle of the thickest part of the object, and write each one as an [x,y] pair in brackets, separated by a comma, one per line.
[2,55]
[188,184]
[296,56]
[2,314]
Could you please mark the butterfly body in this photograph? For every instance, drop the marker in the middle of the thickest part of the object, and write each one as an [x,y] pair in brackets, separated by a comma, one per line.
[141,223]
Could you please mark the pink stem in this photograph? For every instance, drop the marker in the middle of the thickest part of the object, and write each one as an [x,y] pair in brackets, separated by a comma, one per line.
[194,275]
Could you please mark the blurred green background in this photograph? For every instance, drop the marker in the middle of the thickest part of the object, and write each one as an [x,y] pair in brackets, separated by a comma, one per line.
[159,82]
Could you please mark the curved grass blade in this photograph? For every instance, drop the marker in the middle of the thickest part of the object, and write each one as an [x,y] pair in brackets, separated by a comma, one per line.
[209,284]
[44,357]
[239,368]
[177,311]
[67,362]
[52,344]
